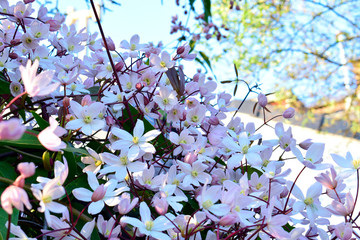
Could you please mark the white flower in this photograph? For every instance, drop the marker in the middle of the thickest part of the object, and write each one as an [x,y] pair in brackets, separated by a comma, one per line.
[18,232]
[86,117]
[136,143]
[50,136]
[148,226]
[52,190]
[166,98]
[102,195]
[161,64]
[194,173]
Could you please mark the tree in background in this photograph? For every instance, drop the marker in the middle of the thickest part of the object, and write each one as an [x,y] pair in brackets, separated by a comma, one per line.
[309,48]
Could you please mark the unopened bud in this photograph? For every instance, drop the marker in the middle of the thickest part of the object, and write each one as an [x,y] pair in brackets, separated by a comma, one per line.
[26,169]
[99,193]
[139,86]
[28,1]
[86,100]
[119,66]
[109,121]
[15,42]
[125,205]
[54,25]
[13,55]
[262,100]
[229,219]
[306,144]
[19,181]
[214,120]
[289,113]
[110,44]
[180,50]
[190,157]
[161,205]
[66,102]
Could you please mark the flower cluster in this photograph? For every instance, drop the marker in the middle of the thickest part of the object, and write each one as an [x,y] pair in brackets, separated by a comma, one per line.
[125,142]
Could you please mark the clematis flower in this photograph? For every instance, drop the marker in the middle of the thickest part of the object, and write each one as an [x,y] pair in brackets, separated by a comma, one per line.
[136,143]
[49,137]
[163,63]
[11,129]
[18,232]
[166,98]
[37,85]
[101,195]
[350,164]
[87,116]
[147,225]
[107,227]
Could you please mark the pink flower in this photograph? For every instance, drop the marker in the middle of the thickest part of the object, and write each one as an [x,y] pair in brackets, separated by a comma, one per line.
[49,137]
[289,113]
[39,85]
[26,169]
[14,196]
[262,100]
[125,204]
[11,129]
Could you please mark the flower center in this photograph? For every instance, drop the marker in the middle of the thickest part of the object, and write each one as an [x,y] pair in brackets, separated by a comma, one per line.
[73,87]
[194,173]
[124,160]
[38,34]
[195,118]
[109,68]
[98,163]
[135,140]
[258,186]
[182,141]
[46,199]
[149,225]
[165,101]
[87,119]
[309,201]
[356,163]
[163,64]
[207,204]
[245,149]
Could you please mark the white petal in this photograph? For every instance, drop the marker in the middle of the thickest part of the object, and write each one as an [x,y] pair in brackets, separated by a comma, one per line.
[82,194]
[139,129]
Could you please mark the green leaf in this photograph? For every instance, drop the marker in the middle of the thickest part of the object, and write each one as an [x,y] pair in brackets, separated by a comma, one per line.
[80,181]
[4,218]
[207,9]
[40,121]
[206,59]
[4,85]
[191,2]
[26,141]
[76,150]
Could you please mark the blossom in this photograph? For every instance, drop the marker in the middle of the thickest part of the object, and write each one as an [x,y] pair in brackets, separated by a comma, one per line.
[147,225]
[49,137]
[52,191]
[166,98]
[350,164]
[125,205]
[136,142]
[133,46]
[87,116]
[11,129]
[107,227]
[37,85]
[14,196]
[18,232]
[194,173]
[313,157]
[95,161]
[101,195]
[208,198]
[163,63]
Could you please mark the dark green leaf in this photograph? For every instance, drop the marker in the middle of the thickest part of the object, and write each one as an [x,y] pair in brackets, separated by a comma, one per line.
[40,121]
[191,2]
[26,141]
[206,59]
[207,10]
[4,219]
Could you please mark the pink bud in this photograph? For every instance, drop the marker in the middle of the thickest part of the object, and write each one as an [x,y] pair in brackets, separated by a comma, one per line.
[28,1]
[99,193]
[109,121]
[214,120]
[229,219]
[139,86]
[110,44]
[190,157]
[11,129]
[161,205]
[26,169]
[180,50]
[86,100]
[289,113]
[19,181]
[66,102]
[262,100]
[125,205]
[13,55]
[119,66]
[54,25]
[306,144]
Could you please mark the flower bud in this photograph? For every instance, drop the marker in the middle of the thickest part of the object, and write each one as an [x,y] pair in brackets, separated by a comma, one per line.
[28,1]
[125,205]
[109,121]
[306,144]
[161,205]
[289,113]
[119,66]
[262,100]
[229,219]
[86,100]
[190,157]
[15,42]
[26,169]
[54,25]
[138,86]
[13,55]
[99,193]
[214,120]
[66,102]
[180,50]
[110,44]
